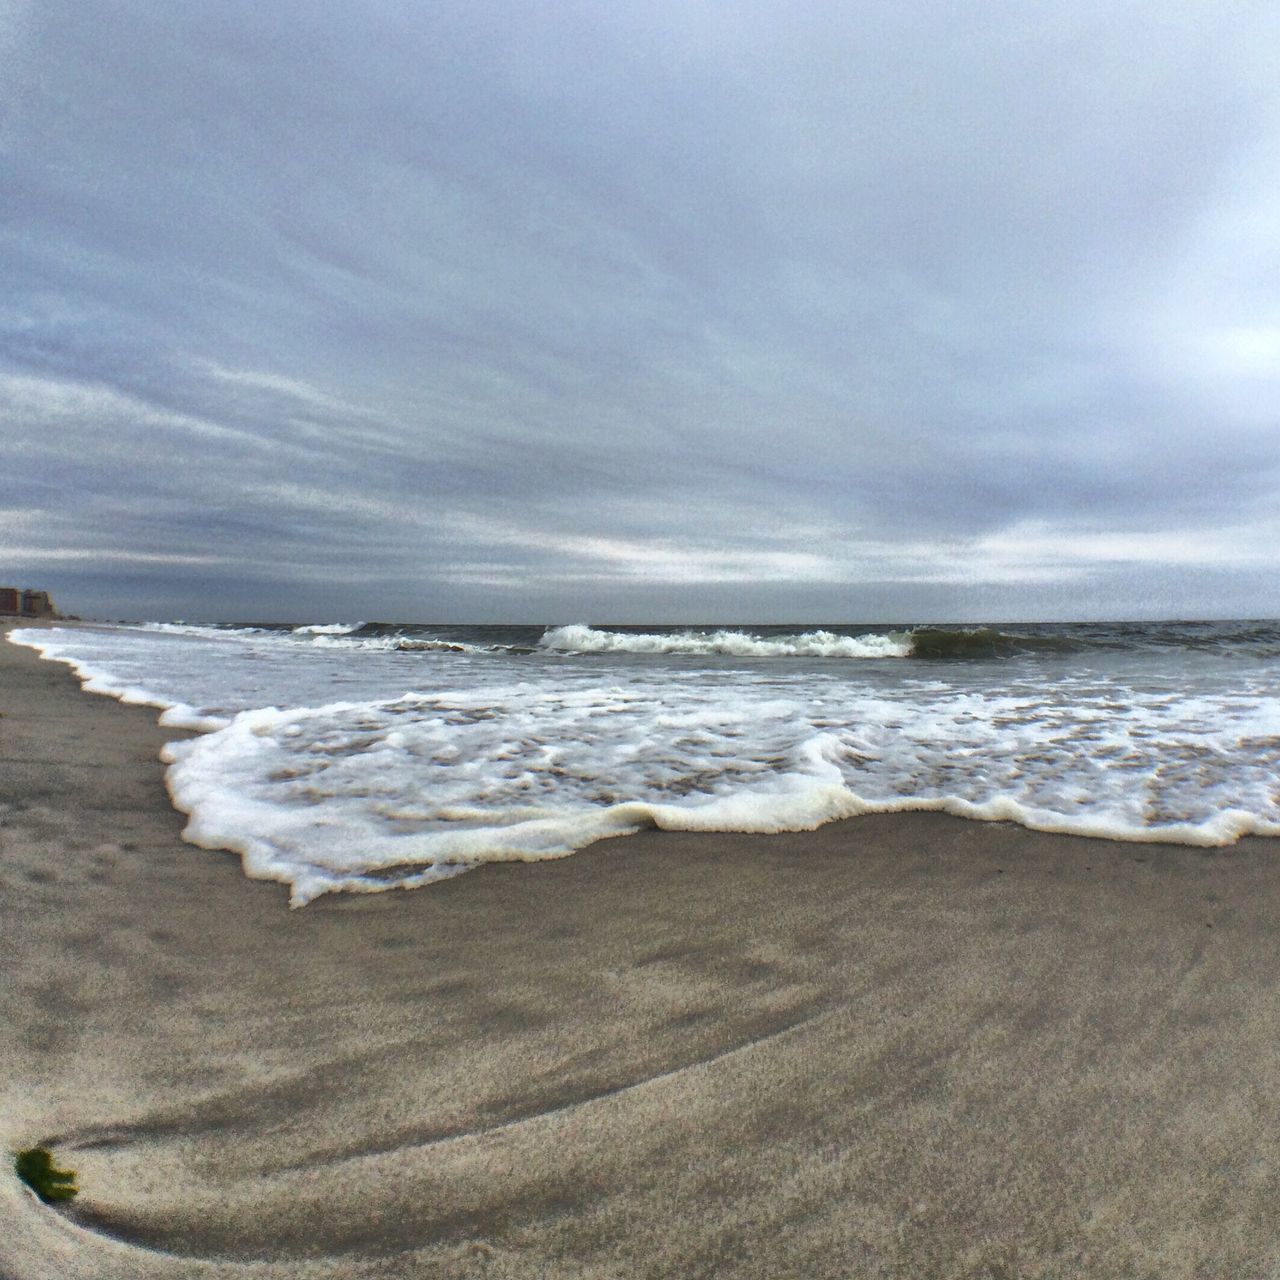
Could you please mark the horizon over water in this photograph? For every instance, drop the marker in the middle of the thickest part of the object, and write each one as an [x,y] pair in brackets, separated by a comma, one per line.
[353,756]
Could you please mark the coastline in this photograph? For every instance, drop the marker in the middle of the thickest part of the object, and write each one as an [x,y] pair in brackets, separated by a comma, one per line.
[905,1044]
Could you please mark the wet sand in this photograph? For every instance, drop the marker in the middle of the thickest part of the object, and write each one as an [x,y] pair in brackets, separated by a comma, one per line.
[906,1046]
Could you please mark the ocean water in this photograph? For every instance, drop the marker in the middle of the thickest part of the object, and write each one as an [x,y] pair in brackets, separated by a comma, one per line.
[371,756]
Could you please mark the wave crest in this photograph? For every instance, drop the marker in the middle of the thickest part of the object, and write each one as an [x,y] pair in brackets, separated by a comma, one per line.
[328,629]
[808,644]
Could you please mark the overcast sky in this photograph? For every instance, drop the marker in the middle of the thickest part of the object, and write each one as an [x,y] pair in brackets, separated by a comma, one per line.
[641,311]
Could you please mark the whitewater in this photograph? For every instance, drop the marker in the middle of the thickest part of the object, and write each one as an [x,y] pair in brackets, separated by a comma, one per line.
[361,757]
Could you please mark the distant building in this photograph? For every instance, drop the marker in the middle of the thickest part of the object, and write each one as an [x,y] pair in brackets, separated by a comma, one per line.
[26,603]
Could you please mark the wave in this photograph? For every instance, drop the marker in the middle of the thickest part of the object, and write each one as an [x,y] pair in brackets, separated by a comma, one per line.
[328,629]
[348,636]
[917,642]
[403,644]
[809,644]
[409,644]
[201,631]
[984,642]
[948,643]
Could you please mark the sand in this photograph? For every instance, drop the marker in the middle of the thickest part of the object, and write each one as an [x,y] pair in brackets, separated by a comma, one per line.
[907,1046]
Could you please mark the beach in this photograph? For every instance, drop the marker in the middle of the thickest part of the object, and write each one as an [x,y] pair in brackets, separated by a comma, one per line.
[899,1045]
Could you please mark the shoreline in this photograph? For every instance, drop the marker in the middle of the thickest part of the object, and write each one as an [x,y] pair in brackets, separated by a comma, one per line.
[899,1044]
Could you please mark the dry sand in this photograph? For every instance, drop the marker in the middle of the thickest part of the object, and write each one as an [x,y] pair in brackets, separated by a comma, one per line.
[906,1046]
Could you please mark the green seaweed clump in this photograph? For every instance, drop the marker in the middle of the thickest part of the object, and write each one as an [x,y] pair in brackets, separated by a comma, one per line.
[36,1168]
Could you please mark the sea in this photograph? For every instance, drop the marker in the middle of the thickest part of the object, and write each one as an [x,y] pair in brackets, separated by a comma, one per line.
[354,756]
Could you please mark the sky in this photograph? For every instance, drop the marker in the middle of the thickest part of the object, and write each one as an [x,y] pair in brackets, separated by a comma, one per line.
[624,311]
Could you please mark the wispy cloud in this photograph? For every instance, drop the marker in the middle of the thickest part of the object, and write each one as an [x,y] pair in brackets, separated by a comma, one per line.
[121,557]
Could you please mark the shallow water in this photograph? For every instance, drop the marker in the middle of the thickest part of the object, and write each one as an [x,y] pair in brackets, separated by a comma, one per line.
[368,756]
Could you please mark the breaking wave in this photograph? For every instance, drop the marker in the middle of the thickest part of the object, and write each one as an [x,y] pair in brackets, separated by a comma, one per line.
[928,642]
[328,629]
[917,642]
[808,644]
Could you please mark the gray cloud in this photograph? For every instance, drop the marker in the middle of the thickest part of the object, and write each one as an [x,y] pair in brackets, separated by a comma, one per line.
[576,311]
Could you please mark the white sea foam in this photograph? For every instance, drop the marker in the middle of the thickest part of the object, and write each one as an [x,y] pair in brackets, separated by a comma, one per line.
[808,644]
[60,645]
[197,629]
[323,772]
[328,629]
[405,644]
[357,795]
